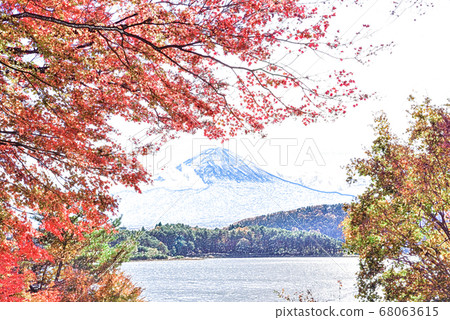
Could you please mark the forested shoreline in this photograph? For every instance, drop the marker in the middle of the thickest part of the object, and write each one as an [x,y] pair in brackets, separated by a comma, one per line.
[180,240]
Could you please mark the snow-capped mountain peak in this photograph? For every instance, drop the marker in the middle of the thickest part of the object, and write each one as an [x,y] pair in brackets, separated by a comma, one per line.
[218,164]
[216,188]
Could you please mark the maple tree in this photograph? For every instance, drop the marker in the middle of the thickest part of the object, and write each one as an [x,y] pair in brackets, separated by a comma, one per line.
[67,68]
[400,225]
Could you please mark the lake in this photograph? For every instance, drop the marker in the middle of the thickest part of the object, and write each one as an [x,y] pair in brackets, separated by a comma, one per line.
[244,279]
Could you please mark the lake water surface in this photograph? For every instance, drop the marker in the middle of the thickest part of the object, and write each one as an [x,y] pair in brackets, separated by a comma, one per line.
[244,279]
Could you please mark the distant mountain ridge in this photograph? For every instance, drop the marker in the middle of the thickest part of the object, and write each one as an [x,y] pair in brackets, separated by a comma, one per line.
[325,219]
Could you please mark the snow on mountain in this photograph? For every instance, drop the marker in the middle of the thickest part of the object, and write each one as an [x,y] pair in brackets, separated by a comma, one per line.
[217,188]
[181,177]
[218,164]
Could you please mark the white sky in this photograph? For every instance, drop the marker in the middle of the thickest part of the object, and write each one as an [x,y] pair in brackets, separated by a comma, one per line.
[419,65]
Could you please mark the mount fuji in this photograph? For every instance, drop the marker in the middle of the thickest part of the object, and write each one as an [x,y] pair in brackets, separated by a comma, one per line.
[215,189]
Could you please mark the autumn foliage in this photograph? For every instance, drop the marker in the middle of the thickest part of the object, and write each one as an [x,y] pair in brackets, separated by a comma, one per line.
[67,68]
[400,225]
[83,269]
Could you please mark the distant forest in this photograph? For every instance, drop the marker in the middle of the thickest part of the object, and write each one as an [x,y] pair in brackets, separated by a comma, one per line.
[325,219]
[278,234]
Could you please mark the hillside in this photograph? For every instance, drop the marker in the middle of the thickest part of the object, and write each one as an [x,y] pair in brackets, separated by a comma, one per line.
[322,218]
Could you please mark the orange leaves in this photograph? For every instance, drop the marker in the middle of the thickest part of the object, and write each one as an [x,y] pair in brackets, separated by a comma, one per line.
[16,245]
[402,218]
[80,286]
[150,41]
